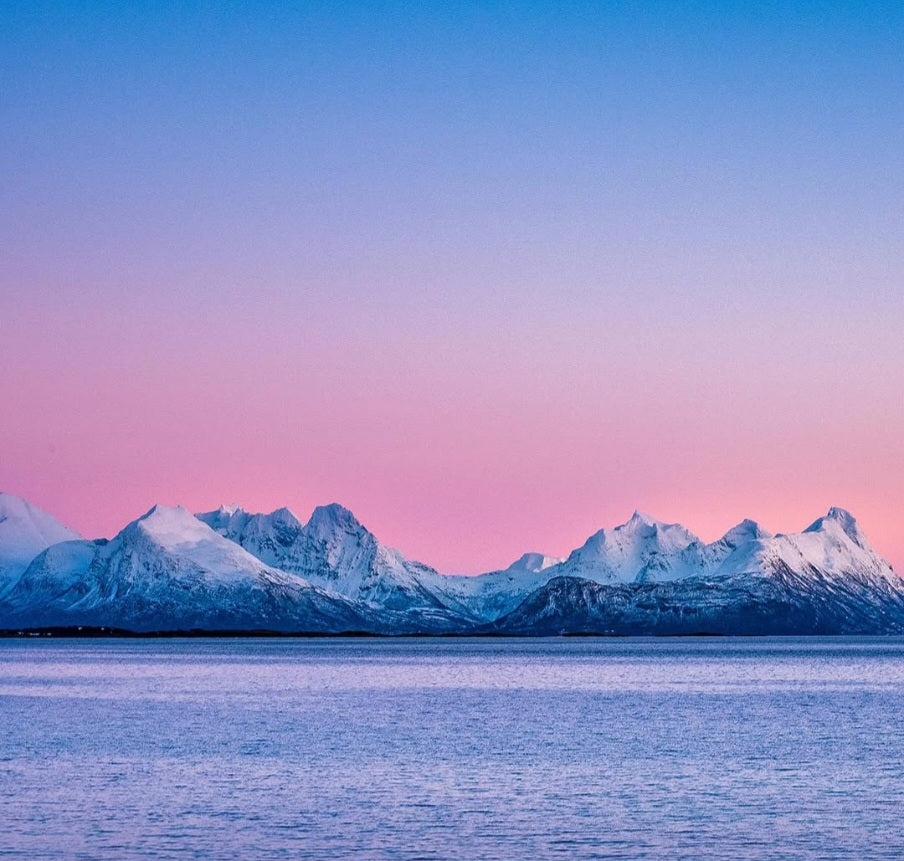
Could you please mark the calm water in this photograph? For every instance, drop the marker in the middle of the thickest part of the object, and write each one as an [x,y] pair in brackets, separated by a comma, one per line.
[452,749]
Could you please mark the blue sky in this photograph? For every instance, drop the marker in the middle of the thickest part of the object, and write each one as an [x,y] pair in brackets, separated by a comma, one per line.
[628,235]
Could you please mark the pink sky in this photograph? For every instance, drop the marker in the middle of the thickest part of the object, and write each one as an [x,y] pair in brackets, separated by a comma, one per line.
[462,441]
[491,280]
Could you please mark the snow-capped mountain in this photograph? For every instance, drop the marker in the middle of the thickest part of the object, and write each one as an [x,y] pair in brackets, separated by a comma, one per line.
[168,570]
[712,555]
[335,551]
[825,579]
[24,532]
[488,596]
[532,563]
[229,569]
[643,549]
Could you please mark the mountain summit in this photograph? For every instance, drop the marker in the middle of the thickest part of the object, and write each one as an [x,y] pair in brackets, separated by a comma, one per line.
[24,532]
[825,579]
[641,548]
[167,570]
[335,551]
[838,518]
[231,569]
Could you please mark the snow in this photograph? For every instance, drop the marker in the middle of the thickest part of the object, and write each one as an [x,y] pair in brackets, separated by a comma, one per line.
[175,530]
[838,518]
[230,564]
[24,532]
[532,563]
[642,548]
[334,551]
[168,569]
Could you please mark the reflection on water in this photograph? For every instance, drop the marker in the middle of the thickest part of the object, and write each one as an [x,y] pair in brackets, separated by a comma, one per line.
[405,749]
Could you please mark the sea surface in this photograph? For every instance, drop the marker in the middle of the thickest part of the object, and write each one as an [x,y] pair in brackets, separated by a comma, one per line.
[452,749]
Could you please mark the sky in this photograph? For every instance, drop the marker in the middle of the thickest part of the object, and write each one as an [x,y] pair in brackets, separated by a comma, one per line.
[491,275]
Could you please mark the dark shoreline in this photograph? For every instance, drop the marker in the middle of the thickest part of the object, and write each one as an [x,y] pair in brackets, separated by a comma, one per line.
[93,632]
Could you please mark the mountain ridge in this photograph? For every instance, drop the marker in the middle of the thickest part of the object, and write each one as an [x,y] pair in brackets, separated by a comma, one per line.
[170,568]
[25,531]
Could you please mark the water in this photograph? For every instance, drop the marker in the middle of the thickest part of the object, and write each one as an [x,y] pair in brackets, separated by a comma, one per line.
[629,749]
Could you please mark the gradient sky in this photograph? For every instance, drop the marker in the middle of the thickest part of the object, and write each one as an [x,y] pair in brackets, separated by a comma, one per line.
[491,275]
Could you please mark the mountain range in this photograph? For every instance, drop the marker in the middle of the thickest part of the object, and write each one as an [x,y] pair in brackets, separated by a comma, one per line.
[232,570]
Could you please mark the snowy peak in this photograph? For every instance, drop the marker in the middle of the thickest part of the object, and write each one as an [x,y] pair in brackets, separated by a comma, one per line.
[335,551]
[21,519]
[839,518]
[168,514]
[285,518]
[638,520]
[172,526]
[328,520]
[825,580]
[331,538]
[344,543]
[169,570]
[746,530]
[642,526]
[24,532]
[230,568]
[264,535]
[223,519]
[174,533]
[749,528]
[532,563]
[642,548]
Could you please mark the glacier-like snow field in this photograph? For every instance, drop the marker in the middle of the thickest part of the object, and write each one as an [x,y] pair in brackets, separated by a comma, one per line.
[436,749]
